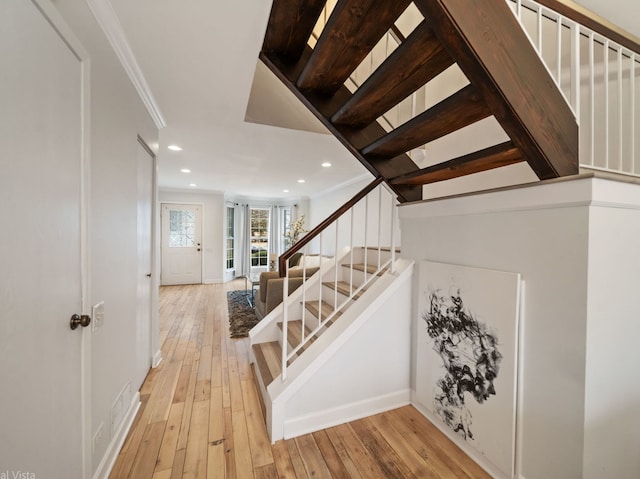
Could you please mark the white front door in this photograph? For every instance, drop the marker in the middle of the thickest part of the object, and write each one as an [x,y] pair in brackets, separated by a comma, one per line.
[181,244]
[42,245]
[146,167]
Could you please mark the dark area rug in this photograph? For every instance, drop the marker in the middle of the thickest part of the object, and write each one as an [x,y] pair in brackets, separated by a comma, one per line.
[241,315]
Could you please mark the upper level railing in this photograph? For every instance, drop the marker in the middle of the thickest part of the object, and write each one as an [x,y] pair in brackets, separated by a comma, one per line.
[366,223]
[595,65]
[597,68]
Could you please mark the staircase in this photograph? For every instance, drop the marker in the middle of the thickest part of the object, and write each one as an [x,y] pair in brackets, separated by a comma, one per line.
[336,324]
[506,80]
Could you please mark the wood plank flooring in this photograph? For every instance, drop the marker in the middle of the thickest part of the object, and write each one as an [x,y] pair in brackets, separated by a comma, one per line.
[201,415]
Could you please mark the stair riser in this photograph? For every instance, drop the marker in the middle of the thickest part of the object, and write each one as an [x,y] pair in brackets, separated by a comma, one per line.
[372,255]
[329,294]
[358,276]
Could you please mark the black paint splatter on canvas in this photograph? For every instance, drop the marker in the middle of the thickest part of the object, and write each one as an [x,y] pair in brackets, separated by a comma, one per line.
[470,356]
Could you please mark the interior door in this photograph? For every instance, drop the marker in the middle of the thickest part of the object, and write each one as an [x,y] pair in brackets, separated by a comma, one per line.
[41,246]
[181,244]
[146,167]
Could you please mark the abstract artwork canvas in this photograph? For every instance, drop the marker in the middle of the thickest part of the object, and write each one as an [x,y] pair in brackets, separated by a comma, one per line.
[466,370]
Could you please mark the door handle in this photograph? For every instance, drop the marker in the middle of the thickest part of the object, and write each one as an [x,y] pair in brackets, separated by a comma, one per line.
[148,275]
[79,320]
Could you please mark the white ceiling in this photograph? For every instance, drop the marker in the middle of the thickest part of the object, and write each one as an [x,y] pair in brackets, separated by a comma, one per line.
[199,59]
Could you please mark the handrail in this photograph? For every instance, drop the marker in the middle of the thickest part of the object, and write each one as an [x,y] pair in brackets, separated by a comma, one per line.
[284,257]
[593,21]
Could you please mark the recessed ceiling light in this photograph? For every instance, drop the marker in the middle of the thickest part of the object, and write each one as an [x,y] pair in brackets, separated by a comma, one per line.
[192,185]
[185,170]
[326,164]
[285,191]
[174,148]
[300,180]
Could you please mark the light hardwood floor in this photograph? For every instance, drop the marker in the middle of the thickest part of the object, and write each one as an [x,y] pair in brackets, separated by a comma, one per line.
[201,415]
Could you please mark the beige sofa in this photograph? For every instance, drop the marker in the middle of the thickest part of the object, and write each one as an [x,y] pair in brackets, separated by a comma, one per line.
[269,294]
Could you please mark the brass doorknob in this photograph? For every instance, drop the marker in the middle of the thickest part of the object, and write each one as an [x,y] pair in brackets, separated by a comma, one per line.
[79,320]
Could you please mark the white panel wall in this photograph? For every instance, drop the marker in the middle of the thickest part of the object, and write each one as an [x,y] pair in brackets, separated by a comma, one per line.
[212,229]
[540,232]
[368,374]
[575,244]
[612,419]
[117,117]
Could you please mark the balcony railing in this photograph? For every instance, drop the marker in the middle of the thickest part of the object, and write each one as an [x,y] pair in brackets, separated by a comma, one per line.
[597,68]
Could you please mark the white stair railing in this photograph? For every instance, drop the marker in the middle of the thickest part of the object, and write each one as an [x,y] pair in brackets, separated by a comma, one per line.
[368,221]
[598,76]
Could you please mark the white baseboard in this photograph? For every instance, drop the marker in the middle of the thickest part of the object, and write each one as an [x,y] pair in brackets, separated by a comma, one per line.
[110,456]
[157,359]
[316,421]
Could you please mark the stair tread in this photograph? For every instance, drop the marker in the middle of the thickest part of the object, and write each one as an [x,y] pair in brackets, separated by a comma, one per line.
[269,358]
[294,334]
[327,309]
[344,288]
[461,109]
[419,59]
[351,32]
[371,269]
[290,25]
[489,158]
[386,249]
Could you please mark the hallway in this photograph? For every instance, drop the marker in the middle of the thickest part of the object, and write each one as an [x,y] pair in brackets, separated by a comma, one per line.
[201,416]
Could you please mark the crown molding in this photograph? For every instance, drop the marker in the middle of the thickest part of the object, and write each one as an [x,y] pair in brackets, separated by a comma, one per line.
[106,17]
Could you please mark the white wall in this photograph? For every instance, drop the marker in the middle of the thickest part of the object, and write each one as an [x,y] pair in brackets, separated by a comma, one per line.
[322,205]
[540,232]
[612,421]
[624,13]
[213,215]
[117,117]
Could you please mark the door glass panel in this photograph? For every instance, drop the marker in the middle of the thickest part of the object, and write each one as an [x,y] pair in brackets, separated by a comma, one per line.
[182,229]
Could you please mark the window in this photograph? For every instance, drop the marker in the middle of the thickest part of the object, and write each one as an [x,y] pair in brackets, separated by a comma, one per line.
[286,224]
[182,228]
[230,237]
[259,236]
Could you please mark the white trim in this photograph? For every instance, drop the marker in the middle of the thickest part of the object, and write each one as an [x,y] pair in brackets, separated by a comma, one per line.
[157,359]
[108,20]
[577,191]
[316,421]
[110,456]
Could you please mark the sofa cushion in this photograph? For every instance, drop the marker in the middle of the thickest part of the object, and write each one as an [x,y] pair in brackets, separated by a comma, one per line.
[262,289]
